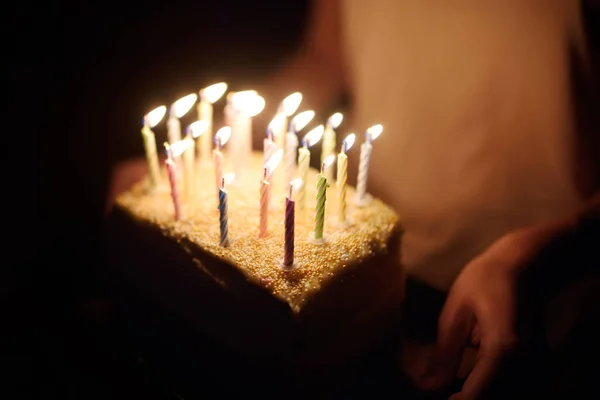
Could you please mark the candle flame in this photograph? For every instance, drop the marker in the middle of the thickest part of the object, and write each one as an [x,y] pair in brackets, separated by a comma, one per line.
[302,119]
[313,136]
[183,105]
[294,186]
[248,102]
[273,161]
[228,178]
[214,92]
[328,161]
[177,148]
[155,116]
[374,131]
[291,103]
[348,142]
[277,124]
[197,128]
[336,119]
[222,135]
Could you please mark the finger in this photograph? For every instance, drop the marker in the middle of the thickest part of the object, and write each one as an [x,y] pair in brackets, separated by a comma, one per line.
[124,175]
[491,356]
[454,326]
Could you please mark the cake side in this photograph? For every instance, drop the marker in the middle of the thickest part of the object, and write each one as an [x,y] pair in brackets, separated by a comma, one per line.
[340,299]
[260,259]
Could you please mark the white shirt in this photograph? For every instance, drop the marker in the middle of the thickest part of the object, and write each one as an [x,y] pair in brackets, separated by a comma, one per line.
[474,97]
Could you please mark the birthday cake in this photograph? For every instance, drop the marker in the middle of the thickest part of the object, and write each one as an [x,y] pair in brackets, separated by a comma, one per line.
[330,300]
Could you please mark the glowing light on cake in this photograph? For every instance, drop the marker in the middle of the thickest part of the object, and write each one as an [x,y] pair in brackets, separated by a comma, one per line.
[208,96]
[322,186]
[329,140]
[248,102]
[309,140]
[221,137]
[342,175]
[291,142]
[366,148]
[149,121]
[179,109]
[288,255]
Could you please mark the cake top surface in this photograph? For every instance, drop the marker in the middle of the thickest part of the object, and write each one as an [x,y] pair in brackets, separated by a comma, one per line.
[260,259]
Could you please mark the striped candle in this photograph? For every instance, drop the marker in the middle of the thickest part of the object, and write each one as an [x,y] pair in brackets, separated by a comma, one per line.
[223,220]
[264,206]
[328,147]
[365,154]
[308,141]
[148,122]
[303,165]
[322,186]
[342,175]
[172,172]
[288,256]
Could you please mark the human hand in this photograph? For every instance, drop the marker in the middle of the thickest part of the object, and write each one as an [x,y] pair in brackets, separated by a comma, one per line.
[481,310]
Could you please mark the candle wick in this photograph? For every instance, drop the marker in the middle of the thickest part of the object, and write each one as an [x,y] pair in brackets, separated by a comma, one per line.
[222,183]
[291,189]
[265,174]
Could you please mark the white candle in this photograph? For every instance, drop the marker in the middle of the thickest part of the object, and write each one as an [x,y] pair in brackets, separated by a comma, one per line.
[208,96]
[245,105]
[221,138]
[291,142]
[328,147]
[178,110]
[308,141]
[363,166]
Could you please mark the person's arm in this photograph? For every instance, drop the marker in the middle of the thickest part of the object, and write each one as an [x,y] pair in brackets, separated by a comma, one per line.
[316,70]
[481,307]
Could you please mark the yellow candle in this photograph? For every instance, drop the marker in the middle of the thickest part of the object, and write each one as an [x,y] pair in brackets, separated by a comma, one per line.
[342,175]
[308,141]
[150,121]
[329,141]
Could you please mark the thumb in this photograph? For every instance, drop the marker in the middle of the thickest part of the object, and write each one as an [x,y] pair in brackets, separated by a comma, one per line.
[454,327]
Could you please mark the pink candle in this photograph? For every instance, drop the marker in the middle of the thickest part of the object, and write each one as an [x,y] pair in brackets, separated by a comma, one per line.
[264,205]
[172,172]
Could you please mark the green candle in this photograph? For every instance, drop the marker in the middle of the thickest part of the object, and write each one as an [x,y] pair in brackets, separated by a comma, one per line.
[321,198]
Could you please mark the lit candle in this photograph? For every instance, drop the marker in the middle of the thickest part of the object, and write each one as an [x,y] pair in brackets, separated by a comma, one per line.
[221,138]
[245,105]
[342,175]
[264,205]
[208,96]
[329,140]
[178,110]
[269,145]
[308,141]
[288,255]
[291,143]
[286,109]
[174,150]
[322,186]
[149,121]
[363,167]
[223,218]
[194,130]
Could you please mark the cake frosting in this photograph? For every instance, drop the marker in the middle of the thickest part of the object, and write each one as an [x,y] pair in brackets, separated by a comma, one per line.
[337,299]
